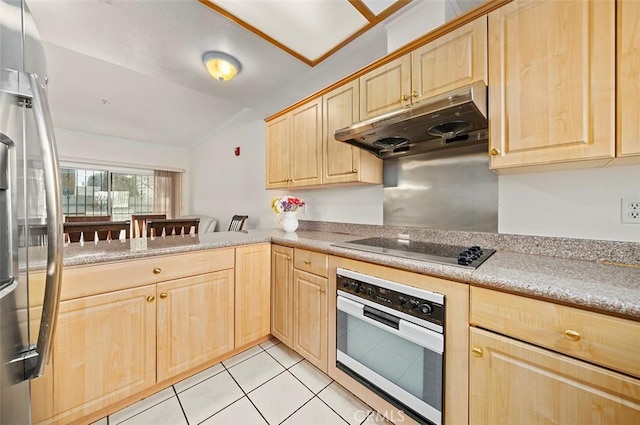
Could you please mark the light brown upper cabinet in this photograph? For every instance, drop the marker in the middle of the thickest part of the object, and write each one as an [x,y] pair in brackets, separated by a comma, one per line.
[386,88]
[344,163]
[628,123]
[552,84]
[455,59]
[294,147]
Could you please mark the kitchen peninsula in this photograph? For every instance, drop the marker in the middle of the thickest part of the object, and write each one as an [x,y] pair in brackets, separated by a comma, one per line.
[607,285]
[162,294]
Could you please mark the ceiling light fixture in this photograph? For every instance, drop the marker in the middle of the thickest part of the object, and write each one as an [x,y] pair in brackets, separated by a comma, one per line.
[221,66]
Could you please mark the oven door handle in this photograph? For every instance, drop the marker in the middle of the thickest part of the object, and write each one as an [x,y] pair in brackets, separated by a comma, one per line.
[417,334]
[381,316]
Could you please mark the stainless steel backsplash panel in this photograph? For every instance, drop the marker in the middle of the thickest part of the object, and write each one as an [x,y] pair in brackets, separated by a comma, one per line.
[449,190]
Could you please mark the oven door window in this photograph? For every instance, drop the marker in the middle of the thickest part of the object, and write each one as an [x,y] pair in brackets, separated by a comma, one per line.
[374,350]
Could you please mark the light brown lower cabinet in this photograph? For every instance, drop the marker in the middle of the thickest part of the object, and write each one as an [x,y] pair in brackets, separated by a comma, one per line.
[299,302]
[513,383]
[104,351]
[282,293]
[180,313]
[253,293]
[310,317]
[195,321]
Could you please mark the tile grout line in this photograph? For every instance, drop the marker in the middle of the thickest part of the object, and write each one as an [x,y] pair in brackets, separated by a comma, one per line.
[224,369]
[294,412]
[285,368]
[142,411]
[299,380]
[315,395]
[334,410]
[247,395]
[180,404]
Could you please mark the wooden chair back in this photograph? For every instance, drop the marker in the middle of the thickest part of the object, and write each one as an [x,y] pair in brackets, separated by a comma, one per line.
[86,218]
[237,222]
[141,221]
[105,230]
[176,226]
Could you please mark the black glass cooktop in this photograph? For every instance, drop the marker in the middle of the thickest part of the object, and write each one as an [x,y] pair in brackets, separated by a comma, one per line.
[455,255]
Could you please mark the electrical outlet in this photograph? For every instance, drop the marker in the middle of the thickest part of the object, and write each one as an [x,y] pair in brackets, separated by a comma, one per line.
[630,210]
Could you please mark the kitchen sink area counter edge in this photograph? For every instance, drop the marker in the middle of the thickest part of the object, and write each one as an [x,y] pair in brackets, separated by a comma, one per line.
[594,286]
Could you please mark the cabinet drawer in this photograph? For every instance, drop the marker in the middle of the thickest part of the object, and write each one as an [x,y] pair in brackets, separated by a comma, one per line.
[312,262]
[99,278]
[609,341]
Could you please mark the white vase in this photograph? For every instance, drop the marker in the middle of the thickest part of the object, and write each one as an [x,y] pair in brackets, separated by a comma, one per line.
[288,221]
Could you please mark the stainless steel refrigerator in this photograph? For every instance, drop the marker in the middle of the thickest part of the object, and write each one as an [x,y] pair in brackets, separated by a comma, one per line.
[30,212]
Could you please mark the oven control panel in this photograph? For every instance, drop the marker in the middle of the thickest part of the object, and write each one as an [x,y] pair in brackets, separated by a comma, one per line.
[408,304]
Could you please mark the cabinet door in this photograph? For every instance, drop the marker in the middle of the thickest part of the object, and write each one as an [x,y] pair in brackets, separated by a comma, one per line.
[551,82]
[195,321]
[386,88]
[342,162]
[515,383]
[310,318]
[306,144]
[457,58]
[282,293]
[253,293]
[278,152]
[104,350]
[628,77]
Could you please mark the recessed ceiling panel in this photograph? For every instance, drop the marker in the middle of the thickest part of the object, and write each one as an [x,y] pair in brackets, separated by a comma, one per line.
[378,6]
[308,27]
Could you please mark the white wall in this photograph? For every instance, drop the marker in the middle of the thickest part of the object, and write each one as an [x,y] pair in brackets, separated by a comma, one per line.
[578,204]
[223,185]
[94,149]
[418,19]
[362,204]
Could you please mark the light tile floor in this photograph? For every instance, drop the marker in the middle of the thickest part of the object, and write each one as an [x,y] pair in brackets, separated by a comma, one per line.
[266,384]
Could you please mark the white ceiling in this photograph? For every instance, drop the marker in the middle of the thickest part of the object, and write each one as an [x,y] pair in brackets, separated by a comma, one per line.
[144,58]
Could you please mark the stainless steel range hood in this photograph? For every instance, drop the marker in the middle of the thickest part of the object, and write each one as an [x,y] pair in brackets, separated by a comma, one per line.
[456,118]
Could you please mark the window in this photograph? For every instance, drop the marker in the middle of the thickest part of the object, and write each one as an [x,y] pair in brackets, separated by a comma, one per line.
[119,193]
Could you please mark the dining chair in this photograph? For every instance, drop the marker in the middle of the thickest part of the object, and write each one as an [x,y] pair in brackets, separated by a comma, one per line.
[141,221]
[237,222]
[86,218]
[87,231]
[176,226]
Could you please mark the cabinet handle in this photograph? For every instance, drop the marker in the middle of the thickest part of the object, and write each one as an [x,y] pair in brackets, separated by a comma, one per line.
[151,299]
[354,171]
[164,295]
[157,270]
[572,335]
[322,290]
[414,94]
[404,98]
[495,152]
[288,258]
[477,351]
[307,262]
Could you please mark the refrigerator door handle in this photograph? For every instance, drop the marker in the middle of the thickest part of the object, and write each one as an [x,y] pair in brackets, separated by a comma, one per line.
[44,128]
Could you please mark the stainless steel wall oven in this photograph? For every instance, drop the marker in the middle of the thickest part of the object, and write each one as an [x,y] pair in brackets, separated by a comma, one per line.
[390,338]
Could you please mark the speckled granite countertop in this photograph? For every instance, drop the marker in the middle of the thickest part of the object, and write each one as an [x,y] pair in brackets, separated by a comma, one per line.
[606,288]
